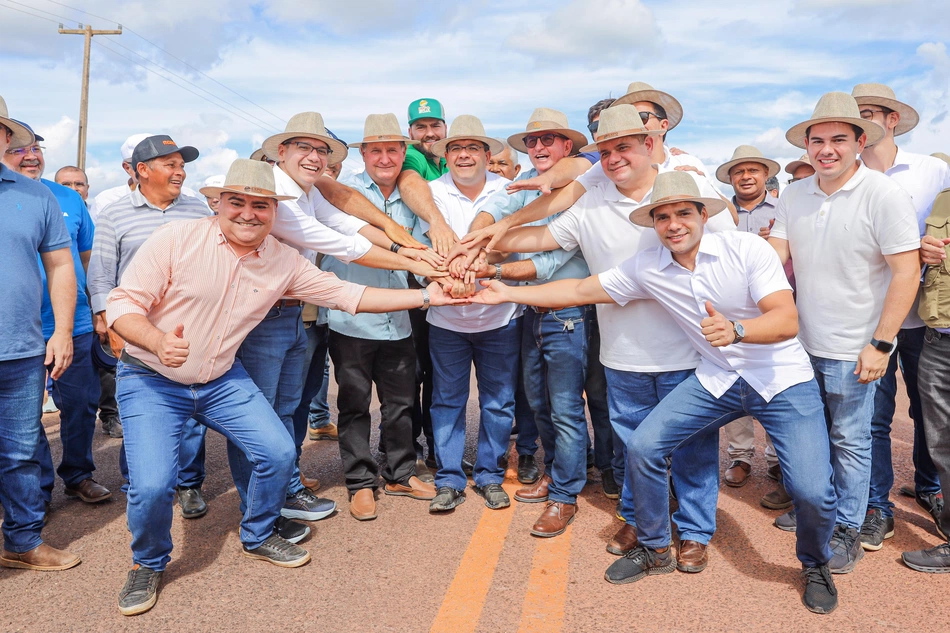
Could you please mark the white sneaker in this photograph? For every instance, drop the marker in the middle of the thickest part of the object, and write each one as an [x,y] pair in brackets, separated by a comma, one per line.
[49,406]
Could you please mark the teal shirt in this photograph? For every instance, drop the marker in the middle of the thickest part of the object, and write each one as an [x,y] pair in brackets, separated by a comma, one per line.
[387,326]
[417,162]
[550,265]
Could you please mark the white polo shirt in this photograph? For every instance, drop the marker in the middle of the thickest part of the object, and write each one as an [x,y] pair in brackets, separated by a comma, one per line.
[596,176]
[734,270]
[312,225]
[838,244]
[459,211]
[639,337]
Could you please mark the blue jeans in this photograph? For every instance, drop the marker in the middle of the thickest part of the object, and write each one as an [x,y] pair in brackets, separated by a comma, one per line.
[21,403]
[909,345]
[606,446]
[154,412]
[526,443]
[694,468]
[76,395]
[496,373]
[191,456]
[849,406]
[274,354]
[794,421]
[554,369]
[317,382]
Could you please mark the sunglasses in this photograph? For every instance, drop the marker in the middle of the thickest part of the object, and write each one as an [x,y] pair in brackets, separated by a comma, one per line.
[644,117]
[547,140]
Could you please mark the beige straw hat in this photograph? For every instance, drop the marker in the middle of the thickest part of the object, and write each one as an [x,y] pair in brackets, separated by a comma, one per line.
[881,95]
[382,128]
[746,154]
[639,91]
[258,154]
[247,177]
[795,164]
[617,121]
[942,157]
[674,186]
[835,107]
[547,120]
[22,137]
[306,125]
[466,126]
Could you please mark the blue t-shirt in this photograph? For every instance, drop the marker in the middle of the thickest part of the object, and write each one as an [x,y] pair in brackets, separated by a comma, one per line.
[80,227]
[32,223]
[593,157]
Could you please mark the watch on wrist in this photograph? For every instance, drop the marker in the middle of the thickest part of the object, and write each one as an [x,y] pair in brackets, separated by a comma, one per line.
[425,299]
[882,346]
[497,276]
[739,331]
[394,247]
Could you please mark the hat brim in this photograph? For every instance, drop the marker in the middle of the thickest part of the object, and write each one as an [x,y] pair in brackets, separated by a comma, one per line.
[22,137]
[722,173]
[593,147]
[272,144]
[188,154]
[909,116]
[641,216]
[578,138]
[674,111]
[215,192]
[795,164]
[384,139]
[796,134]
[494,146]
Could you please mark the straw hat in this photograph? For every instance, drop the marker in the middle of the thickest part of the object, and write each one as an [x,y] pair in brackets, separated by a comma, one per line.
[306,125]
[247,177]
[879,94]
[22,136]
[746,154]
[466,126]
[617,121]
[547,120]
[942,157]
[639,91]
[795,164]
[835,107]
[258,154]
[382,128]
[674,186]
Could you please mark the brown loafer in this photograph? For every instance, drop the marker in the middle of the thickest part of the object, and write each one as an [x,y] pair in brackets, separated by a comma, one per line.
[737,474]
[534,493]
[42,558]
[89,491]
[310,484]
[692,557]
[623,541]
[555,519]
[415,488]
[363,504]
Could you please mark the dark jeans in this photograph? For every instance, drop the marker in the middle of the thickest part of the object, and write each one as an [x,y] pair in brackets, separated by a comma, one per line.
[108,407]
[422,398]
[358,365]
[907,355]
[934,385]
[315,365]
[607,447]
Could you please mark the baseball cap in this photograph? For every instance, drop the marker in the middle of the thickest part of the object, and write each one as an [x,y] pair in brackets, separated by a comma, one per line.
[158,146]
[425,109]
[35,135]
[129,146]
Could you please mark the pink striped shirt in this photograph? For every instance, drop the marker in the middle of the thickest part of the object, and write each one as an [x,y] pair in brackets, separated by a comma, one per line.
[186,272]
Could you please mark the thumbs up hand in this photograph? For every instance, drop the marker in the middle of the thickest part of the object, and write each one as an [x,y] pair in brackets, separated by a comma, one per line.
[172,349]
[716,328]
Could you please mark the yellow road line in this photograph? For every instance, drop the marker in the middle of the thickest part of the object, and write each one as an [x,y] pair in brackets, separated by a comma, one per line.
[543,609]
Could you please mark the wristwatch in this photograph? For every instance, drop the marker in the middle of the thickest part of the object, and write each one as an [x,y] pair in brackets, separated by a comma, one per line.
[425,299]
[497,276]
[739,331]
[882,346]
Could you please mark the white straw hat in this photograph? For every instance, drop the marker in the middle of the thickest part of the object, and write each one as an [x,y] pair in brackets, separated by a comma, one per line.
[306,125]
[670,187]
[466,126]
[639,91]
[618,121]
[547,120]
[879,94]
[382,128]
[746,154]
[835,107]
[22,136]
[247,177]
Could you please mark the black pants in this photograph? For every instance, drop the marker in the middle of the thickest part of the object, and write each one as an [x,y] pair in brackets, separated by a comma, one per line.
[358,364]
[934,387]
[108,408]
[421,419]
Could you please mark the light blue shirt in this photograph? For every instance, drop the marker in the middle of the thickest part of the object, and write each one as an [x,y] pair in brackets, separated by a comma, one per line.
[386,326]
[550,265]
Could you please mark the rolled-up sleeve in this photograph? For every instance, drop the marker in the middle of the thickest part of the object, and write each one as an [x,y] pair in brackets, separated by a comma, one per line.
[317,287]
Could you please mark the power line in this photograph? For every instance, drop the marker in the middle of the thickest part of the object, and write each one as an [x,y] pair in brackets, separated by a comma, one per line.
[33,8]
[30,14]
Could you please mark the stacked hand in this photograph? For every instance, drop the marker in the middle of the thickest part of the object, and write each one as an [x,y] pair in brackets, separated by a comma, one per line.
[442,293]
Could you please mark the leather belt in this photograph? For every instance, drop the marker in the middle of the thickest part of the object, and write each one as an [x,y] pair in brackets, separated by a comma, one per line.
[128,359]
[541,310]
[288,303]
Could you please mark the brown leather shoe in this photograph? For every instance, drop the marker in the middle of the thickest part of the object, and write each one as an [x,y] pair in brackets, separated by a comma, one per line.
[555,519]
[692,557]
[311,484]
[534,493]
[363,504]
[778,499]
[89,491]
[737,474]
[415,488]
[623,541]
[42,558]
[328,432]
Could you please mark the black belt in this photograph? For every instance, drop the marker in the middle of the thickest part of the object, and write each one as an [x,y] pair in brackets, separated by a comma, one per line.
[128,359]
[288,303]
[541,310]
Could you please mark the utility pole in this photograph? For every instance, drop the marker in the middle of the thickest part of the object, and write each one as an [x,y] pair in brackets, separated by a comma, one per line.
[88,32]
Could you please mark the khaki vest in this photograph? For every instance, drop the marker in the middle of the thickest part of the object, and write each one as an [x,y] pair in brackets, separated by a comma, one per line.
[935,294]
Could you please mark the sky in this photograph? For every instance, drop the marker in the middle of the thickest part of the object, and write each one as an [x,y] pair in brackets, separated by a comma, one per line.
[744,72]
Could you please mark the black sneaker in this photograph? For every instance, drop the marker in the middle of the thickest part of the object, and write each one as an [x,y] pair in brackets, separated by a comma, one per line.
[280,552]
[933,504]
[527,469]
[609,484]
[192,504]
[446,499]
[935,560]
[291,530]
[787,522]
[495,496]
[140,592]
[846,550]
[638,563]
[307,506]
[111,426]
[820,594]
[875,529]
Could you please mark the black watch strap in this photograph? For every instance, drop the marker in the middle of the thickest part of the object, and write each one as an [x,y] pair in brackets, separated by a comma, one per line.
[882,346]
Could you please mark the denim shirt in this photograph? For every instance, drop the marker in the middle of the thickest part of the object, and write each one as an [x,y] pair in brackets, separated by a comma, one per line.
[386,326]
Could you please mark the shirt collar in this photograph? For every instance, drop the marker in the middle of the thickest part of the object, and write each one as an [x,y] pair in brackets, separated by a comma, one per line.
[368,183]
[285,185]
[856,179]
[6,173]
[902,160]
[768,200]
[707,246]
[139,200]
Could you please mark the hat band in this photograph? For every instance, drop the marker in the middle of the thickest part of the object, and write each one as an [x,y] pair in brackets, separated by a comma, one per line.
[249,189]
[383,137]
[609,135]
[535,126]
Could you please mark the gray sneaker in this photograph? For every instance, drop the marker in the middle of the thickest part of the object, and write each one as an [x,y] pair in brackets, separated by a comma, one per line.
[935,560]
[111,426]
[446,499]
[291,530]
[307,506]
[846,550]
[875,529]
[820,595]
[495,496]
[140,592]
[279,551]
[787,522]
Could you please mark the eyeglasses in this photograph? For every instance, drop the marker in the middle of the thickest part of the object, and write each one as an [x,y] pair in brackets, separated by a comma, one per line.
[867,113]
[306,148]
[78,183]
[547,140]
[469,149]
[35,149]
[644,117]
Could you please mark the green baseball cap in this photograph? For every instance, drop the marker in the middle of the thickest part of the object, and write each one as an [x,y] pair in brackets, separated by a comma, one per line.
[425,109]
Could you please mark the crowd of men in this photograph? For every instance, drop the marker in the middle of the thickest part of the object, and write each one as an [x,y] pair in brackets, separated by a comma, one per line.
[610,279]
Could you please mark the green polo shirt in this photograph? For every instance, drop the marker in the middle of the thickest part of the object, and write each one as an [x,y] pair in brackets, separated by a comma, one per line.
[417,162]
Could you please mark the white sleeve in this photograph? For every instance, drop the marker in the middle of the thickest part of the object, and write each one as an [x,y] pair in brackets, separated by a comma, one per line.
[620,282]
[764,269]
[294,226]
[593,177]
[722,221]
[336,219]
[780,228]
[565,227]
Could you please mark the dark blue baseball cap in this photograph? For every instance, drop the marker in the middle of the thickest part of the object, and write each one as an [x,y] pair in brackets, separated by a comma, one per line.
[37,136]
[158,146]
[102,356]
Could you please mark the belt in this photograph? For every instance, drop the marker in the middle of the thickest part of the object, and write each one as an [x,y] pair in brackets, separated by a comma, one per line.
[128,359]
[288,303]
[541,310]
